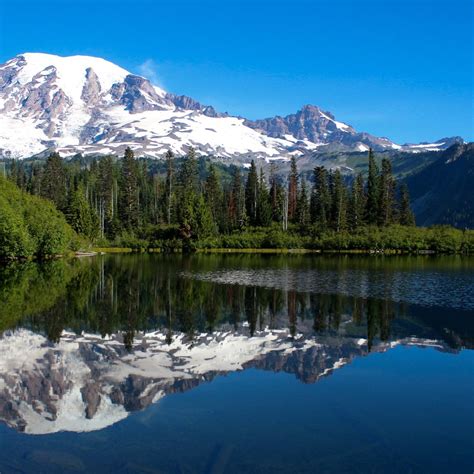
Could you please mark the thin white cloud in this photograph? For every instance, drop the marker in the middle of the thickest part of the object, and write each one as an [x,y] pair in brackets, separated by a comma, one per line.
[149,70]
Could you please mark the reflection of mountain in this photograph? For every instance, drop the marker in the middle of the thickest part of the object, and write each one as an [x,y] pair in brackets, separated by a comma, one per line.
[302,315]
[85,383]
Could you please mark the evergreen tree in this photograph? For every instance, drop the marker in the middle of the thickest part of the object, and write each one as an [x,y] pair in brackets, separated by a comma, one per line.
[339,202]
[202,224]
[251,194]
[107,192]
[80,215]
[303,214]
[36,179]
[188,179]
[169,157]
[189,175]
[320,209]
[129,197]
[357,202]
[276,195]
[373,191]
[236,202]
[54,182]
[292,190]
[406,216]
[264,208]
[214,195]
[387,194]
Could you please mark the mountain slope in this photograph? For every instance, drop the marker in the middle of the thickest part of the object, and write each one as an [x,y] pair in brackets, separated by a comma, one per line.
[443,192]
[82,104]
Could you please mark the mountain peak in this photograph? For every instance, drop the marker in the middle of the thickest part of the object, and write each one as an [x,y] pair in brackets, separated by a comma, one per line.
[85,104]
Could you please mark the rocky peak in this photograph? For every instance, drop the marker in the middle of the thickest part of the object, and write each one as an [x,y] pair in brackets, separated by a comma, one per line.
[138,95]
[188,103]
[91,91]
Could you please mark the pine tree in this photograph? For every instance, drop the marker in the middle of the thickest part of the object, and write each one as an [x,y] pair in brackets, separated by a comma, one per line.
[387,194]
[106,190]
[202,224]
[189,174]
[36,179]
[406,216]
[276,194]
[188,179]
[129,204]
[320,209]
[264,207]
[303,214]
[214,196]
[357,202]
[169,157]
[54,182]
[251,194]
[339,202]
[80,215]
[373,191]
[292,190]
[236,202]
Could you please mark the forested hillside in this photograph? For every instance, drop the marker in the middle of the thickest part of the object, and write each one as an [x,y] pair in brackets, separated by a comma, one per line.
[443,192]
[188,203]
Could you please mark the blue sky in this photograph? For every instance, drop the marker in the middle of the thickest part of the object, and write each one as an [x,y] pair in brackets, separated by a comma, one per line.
[402,69]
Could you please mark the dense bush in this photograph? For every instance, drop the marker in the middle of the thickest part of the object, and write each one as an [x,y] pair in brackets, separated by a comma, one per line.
[365,239]
[30,226]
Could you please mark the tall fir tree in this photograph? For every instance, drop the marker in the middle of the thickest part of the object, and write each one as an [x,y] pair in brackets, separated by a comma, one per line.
[373,191]
[320,209]
[236,202]
[214,196]
[339,202]
[293,191]
[54,181]
[169,194]
[405,214]
[188,179]
[357,204]
[129,194]
[80,214]
[264,207]
[386,195]
[303,214]
[251,194]
[107,191]
[276,194]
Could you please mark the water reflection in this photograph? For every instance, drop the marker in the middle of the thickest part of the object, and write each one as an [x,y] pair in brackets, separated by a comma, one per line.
[86,342]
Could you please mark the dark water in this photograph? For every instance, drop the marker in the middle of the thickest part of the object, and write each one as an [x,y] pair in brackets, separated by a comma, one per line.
[238,363]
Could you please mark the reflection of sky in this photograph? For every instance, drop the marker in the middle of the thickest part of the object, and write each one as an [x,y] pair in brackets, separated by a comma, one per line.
[254,420]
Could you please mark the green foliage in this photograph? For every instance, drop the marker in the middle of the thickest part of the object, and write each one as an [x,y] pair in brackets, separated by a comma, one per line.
[373,191]
[53,181]
[15,240]
[128,203]
[81,217]
[30,226]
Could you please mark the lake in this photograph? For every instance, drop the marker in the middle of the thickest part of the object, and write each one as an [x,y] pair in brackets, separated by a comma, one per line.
[238,363]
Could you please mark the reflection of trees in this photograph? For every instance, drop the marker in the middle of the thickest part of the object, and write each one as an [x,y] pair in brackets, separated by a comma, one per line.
[292,312]
[131,294]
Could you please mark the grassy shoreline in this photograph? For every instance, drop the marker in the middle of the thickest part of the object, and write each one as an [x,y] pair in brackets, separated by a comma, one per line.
[291,251]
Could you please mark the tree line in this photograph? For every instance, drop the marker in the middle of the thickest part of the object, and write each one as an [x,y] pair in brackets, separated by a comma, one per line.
[110,198]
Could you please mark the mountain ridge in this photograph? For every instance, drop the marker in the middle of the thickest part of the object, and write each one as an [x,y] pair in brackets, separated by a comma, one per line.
[85,104]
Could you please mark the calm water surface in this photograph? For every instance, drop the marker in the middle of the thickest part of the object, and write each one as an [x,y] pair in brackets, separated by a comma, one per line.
[238,363]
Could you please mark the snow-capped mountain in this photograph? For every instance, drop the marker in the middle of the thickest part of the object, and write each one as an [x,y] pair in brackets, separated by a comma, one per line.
[86,383]
[82,104]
